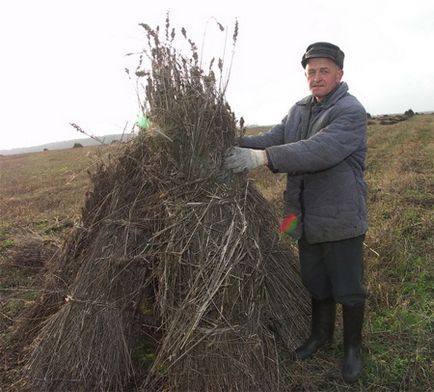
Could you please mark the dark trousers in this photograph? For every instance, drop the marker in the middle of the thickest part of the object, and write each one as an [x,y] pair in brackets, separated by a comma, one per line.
[334,269]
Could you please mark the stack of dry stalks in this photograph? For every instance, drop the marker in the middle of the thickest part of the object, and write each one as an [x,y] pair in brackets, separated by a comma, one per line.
[167,232]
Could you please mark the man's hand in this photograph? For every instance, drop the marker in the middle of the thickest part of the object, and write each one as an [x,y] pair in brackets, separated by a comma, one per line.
[239,159]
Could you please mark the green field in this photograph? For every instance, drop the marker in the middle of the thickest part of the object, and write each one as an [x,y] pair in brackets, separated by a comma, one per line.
[40,199]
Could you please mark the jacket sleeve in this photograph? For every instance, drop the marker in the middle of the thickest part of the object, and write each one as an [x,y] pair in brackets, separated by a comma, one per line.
[345,134]
[273,137]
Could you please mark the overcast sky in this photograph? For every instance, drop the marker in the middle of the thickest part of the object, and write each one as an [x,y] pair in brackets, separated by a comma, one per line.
[63,61]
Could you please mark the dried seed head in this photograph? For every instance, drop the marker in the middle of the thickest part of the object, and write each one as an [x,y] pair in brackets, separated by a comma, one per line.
[167,26]
[235,35]
[220,65]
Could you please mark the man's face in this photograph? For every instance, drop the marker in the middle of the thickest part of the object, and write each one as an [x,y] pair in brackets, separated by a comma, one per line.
[323,76]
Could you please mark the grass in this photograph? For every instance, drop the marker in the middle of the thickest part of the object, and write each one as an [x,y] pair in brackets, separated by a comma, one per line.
[41,195]
[401,280]
[40,187]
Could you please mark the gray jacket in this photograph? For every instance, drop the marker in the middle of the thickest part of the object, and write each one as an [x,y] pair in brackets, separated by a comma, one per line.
[322,147]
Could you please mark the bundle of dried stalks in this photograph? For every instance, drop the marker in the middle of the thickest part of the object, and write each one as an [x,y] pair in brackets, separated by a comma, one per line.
[167,229]
[222,280]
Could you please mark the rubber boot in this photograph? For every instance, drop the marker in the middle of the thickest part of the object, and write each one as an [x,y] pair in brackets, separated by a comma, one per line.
[322,328]
[353,323]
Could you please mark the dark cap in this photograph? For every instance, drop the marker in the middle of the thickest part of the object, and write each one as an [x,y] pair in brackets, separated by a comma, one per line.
[324,49]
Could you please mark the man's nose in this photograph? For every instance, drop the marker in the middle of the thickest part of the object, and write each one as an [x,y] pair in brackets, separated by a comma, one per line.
[317,76]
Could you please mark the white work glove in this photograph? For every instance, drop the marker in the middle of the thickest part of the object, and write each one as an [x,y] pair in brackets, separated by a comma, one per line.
[239,159]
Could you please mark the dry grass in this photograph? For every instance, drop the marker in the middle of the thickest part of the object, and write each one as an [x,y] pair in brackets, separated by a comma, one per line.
[50,183]
[401,179]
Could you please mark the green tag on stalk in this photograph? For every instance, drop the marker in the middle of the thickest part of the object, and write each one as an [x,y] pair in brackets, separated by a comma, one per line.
[143,122]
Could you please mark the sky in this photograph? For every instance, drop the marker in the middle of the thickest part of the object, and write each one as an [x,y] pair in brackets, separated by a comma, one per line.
[64,62]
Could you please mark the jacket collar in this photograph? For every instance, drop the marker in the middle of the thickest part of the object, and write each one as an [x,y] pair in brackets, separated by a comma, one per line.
[330,100]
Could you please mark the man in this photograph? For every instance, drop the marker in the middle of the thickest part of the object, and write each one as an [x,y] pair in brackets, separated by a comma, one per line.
[321,145]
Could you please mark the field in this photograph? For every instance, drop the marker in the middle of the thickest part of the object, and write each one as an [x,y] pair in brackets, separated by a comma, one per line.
[41,195]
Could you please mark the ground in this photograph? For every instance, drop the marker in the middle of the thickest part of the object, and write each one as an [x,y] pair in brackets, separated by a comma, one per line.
[41,195]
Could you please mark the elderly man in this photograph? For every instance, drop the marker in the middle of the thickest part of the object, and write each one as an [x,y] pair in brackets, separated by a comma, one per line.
[321,145]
